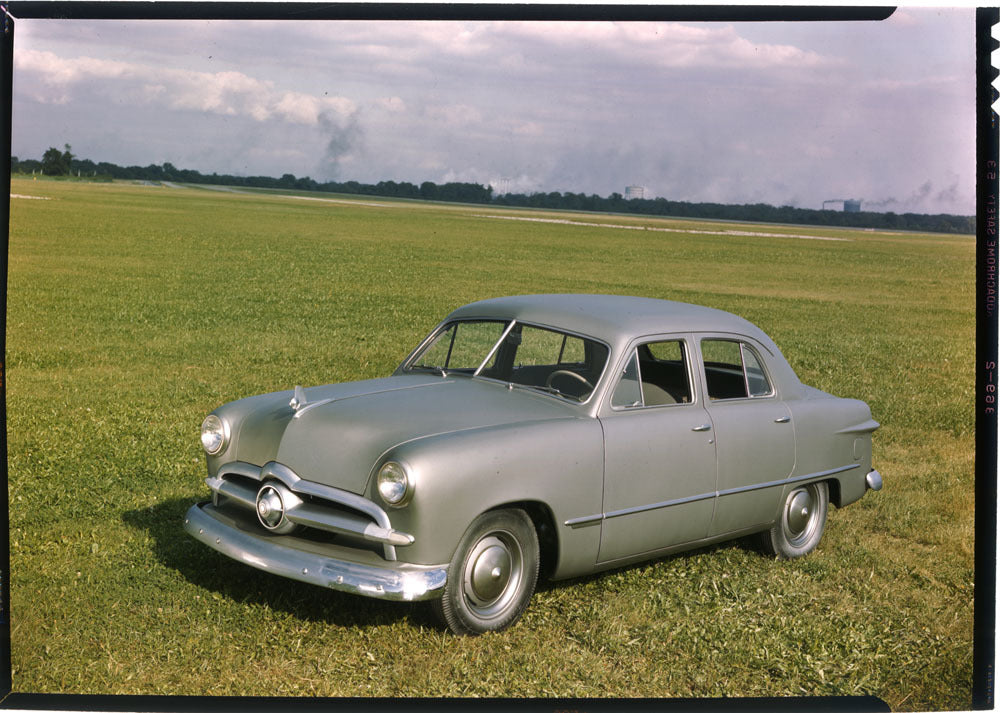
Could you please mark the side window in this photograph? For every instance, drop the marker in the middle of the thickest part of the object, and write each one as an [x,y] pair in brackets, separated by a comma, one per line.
[733,370]
[656,375]
[757,383]
[627,393]
[664,373]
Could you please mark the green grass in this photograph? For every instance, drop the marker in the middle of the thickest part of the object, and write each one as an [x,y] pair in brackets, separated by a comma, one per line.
[133,311]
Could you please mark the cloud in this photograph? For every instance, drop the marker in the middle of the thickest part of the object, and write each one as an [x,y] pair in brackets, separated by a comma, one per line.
[777,112]
[52,79]
[393,105]
[456,116]
[667,45]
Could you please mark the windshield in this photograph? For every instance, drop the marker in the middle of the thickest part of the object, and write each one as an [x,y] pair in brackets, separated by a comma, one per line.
[562,364]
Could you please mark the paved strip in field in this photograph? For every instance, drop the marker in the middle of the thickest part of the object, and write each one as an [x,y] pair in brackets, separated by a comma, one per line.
[561,221]
[228,189]
[33,198]
[338,200]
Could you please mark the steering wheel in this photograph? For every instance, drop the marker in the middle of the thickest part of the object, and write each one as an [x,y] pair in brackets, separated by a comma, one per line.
[567,372]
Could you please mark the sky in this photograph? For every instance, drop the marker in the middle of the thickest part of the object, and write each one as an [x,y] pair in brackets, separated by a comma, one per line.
[780,113]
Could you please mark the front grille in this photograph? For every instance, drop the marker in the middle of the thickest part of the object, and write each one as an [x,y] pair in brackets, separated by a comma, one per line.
[315,507]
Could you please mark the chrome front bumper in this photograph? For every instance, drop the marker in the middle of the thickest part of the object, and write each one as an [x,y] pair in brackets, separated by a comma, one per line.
[395,581]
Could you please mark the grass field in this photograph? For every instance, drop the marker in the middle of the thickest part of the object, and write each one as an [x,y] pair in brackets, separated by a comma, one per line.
[133,311]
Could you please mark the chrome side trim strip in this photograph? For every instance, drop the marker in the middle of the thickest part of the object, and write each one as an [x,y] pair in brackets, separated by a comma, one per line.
[658,506]
[406,582]
[594,519]
[789,481]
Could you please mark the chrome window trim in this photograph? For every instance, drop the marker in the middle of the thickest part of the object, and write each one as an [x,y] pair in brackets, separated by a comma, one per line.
[760,362]
[688,366]
[496,347]
[566,332]
[741,341]
[408,362]
[633,356]
[441,327]
[594,519]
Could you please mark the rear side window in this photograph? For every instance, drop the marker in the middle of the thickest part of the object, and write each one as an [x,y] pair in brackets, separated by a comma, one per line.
[656,375]
[733,370]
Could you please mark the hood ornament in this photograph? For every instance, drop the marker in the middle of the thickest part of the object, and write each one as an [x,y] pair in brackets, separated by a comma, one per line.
[299,399]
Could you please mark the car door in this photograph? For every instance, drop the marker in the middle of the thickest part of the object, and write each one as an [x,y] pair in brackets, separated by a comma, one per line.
[660,473]
[755,440]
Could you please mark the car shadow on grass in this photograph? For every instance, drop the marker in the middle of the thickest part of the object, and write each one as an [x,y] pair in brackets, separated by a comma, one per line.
[240,583]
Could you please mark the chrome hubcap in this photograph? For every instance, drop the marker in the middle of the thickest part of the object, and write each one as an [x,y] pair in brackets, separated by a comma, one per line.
[799,508]
[492,574]
[802,515]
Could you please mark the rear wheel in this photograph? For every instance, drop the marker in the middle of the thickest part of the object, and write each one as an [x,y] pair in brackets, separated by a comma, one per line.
[492,576]
[800,526]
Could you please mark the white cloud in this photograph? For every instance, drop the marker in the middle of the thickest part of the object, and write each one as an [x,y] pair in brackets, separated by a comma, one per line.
[393,105]
[729,112]
[456,116]
[669,45]
[51,79]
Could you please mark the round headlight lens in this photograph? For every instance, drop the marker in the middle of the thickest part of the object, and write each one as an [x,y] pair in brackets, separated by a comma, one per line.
[213,435]
[393,484]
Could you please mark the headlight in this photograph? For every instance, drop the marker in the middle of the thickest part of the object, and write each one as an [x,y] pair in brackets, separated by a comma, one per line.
[214,434]
[394,485]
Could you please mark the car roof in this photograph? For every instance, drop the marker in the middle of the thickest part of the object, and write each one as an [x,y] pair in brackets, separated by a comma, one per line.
[611,318]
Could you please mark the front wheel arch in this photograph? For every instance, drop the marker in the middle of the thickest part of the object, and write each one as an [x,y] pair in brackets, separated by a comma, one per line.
[546,531]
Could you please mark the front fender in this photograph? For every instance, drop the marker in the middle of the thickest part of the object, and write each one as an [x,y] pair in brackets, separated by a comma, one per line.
[462,474]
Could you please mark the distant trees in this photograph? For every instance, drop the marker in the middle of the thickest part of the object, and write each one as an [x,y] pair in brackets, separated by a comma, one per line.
[56,162]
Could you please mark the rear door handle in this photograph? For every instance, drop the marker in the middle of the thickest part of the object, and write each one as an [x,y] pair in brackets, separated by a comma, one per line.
[703,427]
[782,419]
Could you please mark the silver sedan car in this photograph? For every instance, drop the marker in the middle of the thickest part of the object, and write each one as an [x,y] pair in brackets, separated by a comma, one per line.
[541,435]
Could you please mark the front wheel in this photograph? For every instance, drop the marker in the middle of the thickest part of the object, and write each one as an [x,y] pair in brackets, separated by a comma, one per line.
[800,526]
[492,575]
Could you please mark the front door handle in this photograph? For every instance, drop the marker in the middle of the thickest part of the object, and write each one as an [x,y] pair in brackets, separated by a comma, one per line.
[703,427]
[782,419]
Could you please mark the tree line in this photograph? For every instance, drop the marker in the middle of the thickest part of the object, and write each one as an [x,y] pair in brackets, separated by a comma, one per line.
[63,163]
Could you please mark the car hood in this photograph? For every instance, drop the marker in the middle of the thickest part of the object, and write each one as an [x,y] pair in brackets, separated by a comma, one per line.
[343,429]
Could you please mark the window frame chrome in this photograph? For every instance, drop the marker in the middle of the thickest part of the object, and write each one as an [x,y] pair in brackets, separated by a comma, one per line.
[633,352]
[742,341]
[408,363]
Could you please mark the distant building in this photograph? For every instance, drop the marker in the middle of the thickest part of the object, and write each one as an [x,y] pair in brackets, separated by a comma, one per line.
[635,192]
[851,205]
